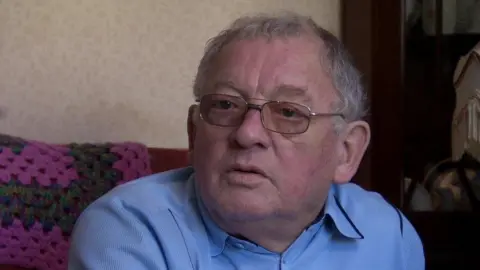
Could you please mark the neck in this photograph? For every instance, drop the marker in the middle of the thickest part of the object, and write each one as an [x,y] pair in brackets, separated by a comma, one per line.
[274,234]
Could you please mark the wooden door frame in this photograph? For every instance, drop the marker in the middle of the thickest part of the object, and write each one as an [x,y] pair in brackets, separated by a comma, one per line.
[373,33]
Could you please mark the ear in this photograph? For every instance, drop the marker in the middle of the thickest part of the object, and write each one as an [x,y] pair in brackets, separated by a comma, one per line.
[354,141]
[191,130]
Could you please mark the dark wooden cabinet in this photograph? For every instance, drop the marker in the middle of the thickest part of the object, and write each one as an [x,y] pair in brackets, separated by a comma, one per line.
[409,77]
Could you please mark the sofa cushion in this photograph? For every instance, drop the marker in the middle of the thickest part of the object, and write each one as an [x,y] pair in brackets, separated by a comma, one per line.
[44,188]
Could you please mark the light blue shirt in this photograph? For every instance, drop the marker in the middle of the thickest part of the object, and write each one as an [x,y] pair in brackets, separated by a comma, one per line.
[159,222]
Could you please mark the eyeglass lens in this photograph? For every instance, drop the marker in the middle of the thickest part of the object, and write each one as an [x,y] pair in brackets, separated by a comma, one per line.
[229,111]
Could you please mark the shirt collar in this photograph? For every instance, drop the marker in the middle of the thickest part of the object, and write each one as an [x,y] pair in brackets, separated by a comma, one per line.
[333,208]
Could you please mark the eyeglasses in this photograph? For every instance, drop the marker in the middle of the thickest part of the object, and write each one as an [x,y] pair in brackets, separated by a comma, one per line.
[277,116]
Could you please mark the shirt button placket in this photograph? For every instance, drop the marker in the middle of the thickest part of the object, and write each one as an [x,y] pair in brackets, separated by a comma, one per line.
[283,263]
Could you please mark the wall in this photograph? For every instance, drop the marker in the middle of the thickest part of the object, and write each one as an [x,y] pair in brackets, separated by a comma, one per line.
[113,70]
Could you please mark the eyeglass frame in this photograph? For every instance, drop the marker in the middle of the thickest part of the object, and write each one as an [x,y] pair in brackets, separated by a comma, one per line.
[260,109]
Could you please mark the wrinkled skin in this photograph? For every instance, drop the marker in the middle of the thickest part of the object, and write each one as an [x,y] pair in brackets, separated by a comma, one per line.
[272,208]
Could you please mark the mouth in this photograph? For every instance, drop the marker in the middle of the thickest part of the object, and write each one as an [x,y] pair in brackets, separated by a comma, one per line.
[247,169]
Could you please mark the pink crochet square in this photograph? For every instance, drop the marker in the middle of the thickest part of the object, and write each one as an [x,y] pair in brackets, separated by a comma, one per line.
[44,188]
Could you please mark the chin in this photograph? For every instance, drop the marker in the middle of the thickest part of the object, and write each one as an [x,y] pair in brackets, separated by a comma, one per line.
[244,208]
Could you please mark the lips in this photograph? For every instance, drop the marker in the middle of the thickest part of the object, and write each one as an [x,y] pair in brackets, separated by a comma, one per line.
[243,176]
[247,169]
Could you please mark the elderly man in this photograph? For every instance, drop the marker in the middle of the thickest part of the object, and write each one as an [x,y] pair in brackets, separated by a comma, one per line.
[275,137]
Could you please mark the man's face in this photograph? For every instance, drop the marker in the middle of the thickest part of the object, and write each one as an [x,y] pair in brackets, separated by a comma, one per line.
[296,170]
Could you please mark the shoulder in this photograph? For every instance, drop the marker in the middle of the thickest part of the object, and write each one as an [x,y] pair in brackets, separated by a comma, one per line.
[163,191]
[381,222]
[159,195]
[371,212]
[128,225]
[365,207]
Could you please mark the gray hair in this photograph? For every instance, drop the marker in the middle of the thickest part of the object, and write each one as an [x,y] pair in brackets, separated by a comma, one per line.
[337,62]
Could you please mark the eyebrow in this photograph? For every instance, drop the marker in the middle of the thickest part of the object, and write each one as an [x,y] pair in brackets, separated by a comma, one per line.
[227,84]
[291,91]
[283,92]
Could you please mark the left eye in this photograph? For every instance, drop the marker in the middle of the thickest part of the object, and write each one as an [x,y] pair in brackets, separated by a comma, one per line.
[223,104]
[288,112]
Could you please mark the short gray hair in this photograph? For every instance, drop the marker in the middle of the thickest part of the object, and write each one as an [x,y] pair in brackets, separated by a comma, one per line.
[337,62]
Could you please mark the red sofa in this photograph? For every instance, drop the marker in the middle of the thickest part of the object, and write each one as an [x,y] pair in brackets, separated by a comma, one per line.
[161,159]
[164,159]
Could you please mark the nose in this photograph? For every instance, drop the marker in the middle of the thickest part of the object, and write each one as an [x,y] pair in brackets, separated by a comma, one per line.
[251,132]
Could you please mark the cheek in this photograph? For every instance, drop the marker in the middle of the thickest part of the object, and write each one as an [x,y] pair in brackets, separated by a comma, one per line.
[305,167]
[305,183]
[297,157]
[209,142]
[296,168]
[298,188]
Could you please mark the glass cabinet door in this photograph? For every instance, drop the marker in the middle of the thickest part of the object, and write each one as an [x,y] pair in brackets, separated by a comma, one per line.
[441,105]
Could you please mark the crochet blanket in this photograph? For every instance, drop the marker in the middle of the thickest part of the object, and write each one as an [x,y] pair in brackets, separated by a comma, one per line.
[45,187]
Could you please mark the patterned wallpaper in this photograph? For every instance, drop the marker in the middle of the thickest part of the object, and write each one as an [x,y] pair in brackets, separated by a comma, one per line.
[113,70]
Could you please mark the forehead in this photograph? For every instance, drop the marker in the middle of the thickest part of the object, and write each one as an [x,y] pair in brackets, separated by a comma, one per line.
[281,68]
